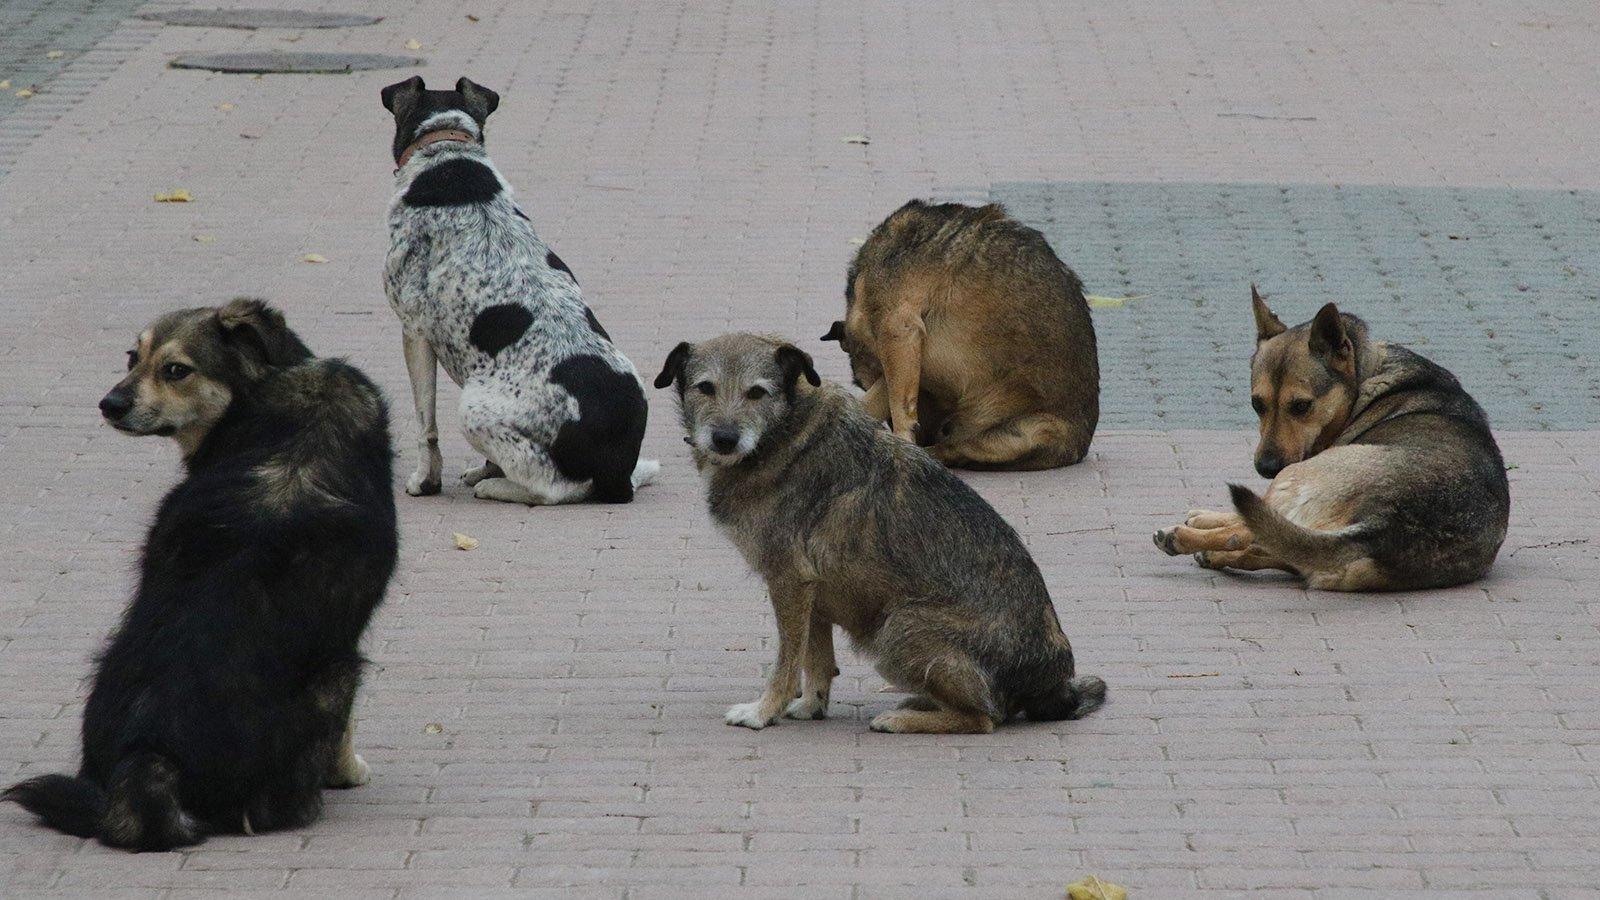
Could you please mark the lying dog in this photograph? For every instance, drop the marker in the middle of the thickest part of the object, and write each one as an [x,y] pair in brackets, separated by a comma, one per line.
[1384,473]
[853,527]
[971,337]
[553,405]
[222,703]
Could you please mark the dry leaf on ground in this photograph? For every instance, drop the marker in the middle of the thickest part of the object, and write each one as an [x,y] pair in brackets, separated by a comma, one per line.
[25,93]
[314,258]
[224,106]
[1092,888]
[471,17]
[413,44]
[1195,675]
[204,239]
[433,728]
[1098,301]
[464,541]
[176,195]
[55,54]
[855,139]
[5,85]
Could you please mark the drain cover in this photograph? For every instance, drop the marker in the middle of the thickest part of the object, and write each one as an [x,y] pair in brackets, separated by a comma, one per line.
[298,63]
[259,18]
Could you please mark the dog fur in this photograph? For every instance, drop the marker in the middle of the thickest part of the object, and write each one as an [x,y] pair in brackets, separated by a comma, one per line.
[555,408]
[850,526]
[223,701]
[971,337]
[1385,475]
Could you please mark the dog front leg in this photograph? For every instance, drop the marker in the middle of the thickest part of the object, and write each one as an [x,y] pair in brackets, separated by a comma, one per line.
[423,368]
[900,348]
[820,669]
[792,602]
[349,769]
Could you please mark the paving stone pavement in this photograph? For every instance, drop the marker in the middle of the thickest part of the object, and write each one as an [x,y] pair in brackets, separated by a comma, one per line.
[687,161]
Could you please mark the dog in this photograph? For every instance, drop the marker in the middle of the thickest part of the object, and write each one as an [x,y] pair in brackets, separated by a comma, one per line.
[851,526]
[1385,475]
[970,336]
[222,703]
[555,408]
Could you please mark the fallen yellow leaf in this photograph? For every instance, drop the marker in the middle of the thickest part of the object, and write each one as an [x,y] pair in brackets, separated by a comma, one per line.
[471,17]
[177,195]
[413,44]
[314,258]
[464,542]
[855,139]
[224,106]
[5,85]
[433,728]
[204,239]
[1092,888]
[24,93]
[1098,301]
[55,54]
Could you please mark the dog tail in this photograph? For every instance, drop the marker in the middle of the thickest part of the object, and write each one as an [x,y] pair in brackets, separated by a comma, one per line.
[1301,547]
[1078,697]
[70,805]
[140,810]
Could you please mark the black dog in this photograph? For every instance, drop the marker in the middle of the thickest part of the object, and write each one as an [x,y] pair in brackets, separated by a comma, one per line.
[223,701]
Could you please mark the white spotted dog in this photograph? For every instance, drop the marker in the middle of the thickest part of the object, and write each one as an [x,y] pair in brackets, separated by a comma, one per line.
[555,408]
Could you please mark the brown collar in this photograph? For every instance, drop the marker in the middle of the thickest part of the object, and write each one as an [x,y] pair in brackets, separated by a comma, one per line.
[432,137]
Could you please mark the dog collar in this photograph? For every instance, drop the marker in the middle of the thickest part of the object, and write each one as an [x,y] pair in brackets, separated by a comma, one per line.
[432,137]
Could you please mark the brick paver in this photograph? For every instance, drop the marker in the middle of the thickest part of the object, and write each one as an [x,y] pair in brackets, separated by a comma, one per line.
[686,159]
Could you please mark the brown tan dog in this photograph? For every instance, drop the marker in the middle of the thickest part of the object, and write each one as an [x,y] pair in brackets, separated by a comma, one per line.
[1385,475]
[972,338]
[853,527]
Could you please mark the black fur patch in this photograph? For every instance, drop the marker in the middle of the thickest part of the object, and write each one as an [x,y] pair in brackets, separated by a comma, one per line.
[603,443]
[498,327]
[454,182]
[594,324]
[554,262]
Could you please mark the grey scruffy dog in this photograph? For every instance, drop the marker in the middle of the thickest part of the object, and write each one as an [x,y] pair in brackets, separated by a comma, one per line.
[851,526]
[557,410]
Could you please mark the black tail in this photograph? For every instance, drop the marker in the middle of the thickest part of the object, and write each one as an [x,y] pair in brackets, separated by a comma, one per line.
[69,805]
[1079,697]
[146,814]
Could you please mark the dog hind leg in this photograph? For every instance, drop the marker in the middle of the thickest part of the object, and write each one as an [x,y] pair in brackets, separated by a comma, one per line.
[529,476]
[1028,442]
[143,811]
[945,675]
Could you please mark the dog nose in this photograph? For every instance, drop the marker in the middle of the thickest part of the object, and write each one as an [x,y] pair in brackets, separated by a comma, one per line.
[724,439]
[1269,466]
[115,405]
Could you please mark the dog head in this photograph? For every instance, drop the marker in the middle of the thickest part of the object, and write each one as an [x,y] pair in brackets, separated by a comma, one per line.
[732,391]
[185,369]
[865,368]
[418,110]
[1303,383]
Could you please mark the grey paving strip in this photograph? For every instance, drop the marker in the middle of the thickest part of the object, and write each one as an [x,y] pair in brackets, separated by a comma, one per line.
[259,18]
[1501,286]
[294,63]
[58,51]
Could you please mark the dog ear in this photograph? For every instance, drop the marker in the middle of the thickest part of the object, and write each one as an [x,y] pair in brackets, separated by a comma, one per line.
[1268,325]
[794,362]
[835,333]
[260,334]
[402,94]
[676,360]
[480,100]
[1329,340]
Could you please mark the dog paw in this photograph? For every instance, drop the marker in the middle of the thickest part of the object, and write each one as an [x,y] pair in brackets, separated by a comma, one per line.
[504,490]
[1205,560]
[811,706]
[472,476]
[352,772]
[644,472]
[888,722]
[1167,539]
[420,484]
[748,715]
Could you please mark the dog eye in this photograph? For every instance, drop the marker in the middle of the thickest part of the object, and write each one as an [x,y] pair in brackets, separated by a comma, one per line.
[1299,407]
[756,393]
[707,388]
[133,359]
[175,371]
[1259,405]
